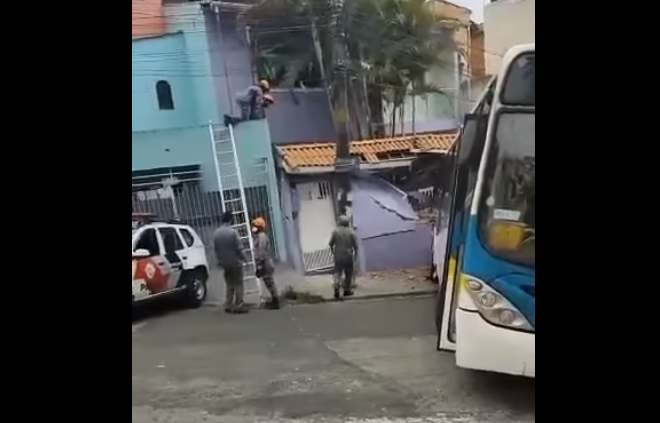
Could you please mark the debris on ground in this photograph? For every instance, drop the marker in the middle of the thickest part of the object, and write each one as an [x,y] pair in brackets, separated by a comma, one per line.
[292,296]
[413,274]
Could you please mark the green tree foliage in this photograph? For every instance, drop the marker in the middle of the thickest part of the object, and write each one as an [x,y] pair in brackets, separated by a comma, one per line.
[391,45]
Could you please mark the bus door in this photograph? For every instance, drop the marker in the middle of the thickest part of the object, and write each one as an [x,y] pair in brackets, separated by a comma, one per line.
[466,167]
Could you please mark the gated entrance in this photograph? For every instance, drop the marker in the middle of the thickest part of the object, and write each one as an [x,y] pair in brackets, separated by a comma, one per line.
[178,193]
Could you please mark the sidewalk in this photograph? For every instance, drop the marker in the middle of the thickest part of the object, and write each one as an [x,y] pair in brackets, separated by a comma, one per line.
[385,284]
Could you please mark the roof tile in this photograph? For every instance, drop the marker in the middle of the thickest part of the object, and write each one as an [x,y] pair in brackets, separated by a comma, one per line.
[323,154]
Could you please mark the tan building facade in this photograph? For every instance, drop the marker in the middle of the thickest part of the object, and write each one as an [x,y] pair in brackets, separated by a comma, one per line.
[507,23]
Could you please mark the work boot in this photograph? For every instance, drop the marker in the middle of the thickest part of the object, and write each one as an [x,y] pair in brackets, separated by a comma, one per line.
[230,120]
[273,304]
[348,293]
[337,294]
[240,309]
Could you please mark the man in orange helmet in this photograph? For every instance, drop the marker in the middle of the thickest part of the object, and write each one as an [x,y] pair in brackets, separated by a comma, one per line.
[252,103]
[263,256]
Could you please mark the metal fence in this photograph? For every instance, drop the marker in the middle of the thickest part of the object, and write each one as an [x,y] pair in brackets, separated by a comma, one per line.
[188,202]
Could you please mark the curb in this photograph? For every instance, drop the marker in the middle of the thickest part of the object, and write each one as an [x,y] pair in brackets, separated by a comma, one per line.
[413,294]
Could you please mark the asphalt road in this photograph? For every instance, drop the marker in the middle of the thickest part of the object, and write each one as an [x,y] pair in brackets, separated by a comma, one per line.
[357,361]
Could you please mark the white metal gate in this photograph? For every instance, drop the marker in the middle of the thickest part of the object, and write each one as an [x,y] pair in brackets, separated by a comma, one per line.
[317,220]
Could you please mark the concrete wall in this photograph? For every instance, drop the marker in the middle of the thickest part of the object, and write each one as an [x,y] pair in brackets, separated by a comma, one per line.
[450,12]
[155,59]
[192,58]
[381,232]
[507,23]
[301,116]
[477,52]
[182,59]
[192,146]
[386,252]
[230,60]
[385,222]
[290,203]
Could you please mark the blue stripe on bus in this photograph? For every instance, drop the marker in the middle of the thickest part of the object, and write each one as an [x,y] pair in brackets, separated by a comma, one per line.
[516,283]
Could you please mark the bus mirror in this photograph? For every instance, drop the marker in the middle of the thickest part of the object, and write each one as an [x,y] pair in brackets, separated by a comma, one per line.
[472,137]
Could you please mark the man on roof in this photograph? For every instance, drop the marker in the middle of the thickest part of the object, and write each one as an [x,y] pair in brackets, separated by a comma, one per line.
[252,103]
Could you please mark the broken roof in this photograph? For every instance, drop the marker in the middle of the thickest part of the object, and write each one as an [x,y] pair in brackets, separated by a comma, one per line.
[320,157]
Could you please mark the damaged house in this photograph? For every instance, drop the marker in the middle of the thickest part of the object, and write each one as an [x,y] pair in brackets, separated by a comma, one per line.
[383,200]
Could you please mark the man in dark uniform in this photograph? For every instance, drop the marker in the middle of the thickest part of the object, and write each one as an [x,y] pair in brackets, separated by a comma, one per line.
[252,103]
[344,246]
[229,253]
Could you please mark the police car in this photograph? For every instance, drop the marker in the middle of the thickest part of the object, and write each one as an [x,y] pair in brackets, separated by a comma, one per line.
[169,258]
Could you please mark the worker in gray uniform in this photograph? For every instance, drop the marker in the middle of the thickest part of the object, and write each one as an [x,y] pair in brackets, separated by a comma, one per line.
[252,103]
[230,257]
[263,257]
[344,246]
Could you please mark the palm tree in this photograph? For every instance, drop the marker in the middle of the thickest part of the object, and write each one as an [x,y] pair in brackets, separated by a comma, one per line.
[391,45]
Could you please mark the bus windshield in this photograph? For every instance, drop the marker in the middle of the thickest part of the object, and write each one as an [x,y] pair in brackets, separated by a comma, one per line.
[508,208]
[519,86]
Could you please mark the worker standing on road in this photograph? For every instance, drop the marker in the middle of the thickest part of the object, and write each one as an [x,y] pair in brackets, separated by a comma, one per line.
[344,246]
[263,257]
[229,253]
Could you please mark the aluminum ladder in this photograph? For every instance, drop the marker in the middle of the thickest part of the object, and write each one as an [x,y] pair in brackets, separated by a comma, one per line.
[232,197]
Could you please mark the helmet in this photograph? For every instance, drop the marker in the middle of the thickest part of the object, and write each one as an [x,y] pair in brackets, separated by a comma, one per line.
[259,223]
[264,84]
[344,220]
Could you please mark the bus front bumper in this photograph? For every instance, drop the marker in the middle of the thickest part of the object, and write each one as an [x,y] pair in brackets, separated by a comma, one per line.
[482,346]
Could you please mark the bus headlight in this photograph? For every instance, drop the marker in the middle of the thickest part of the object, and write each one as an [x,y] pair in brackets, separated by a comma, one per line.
[494,307]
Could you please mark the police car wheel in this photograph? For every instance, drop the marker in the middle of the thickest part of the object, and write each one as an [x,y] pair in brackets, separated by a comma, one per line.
[196,290]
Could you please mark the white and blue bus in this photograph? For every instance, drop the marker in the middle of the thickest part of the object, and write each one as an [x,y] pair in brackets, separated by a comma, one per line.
[485,249]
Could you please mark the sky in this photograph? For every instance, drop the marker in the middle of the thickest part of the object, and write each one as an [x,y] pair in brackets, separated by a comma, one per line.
[477,7]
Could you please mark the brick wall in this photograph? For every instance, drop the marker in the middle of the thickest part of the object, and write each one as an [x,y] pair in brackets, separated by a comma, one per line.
[148,19]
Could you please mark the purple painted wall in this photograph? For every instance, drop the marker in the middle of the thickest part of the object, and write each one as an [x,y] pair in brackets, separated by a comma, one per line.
[391,236]
[399,251]
[379,208]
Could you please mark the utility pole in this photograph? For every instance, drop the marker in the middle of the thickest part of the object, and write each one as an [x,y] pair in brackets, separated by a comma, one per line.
[343,163]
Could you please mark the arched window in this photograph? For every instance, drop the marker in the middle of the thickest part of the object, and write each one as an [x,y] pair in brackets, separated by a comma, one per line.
[164,94]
